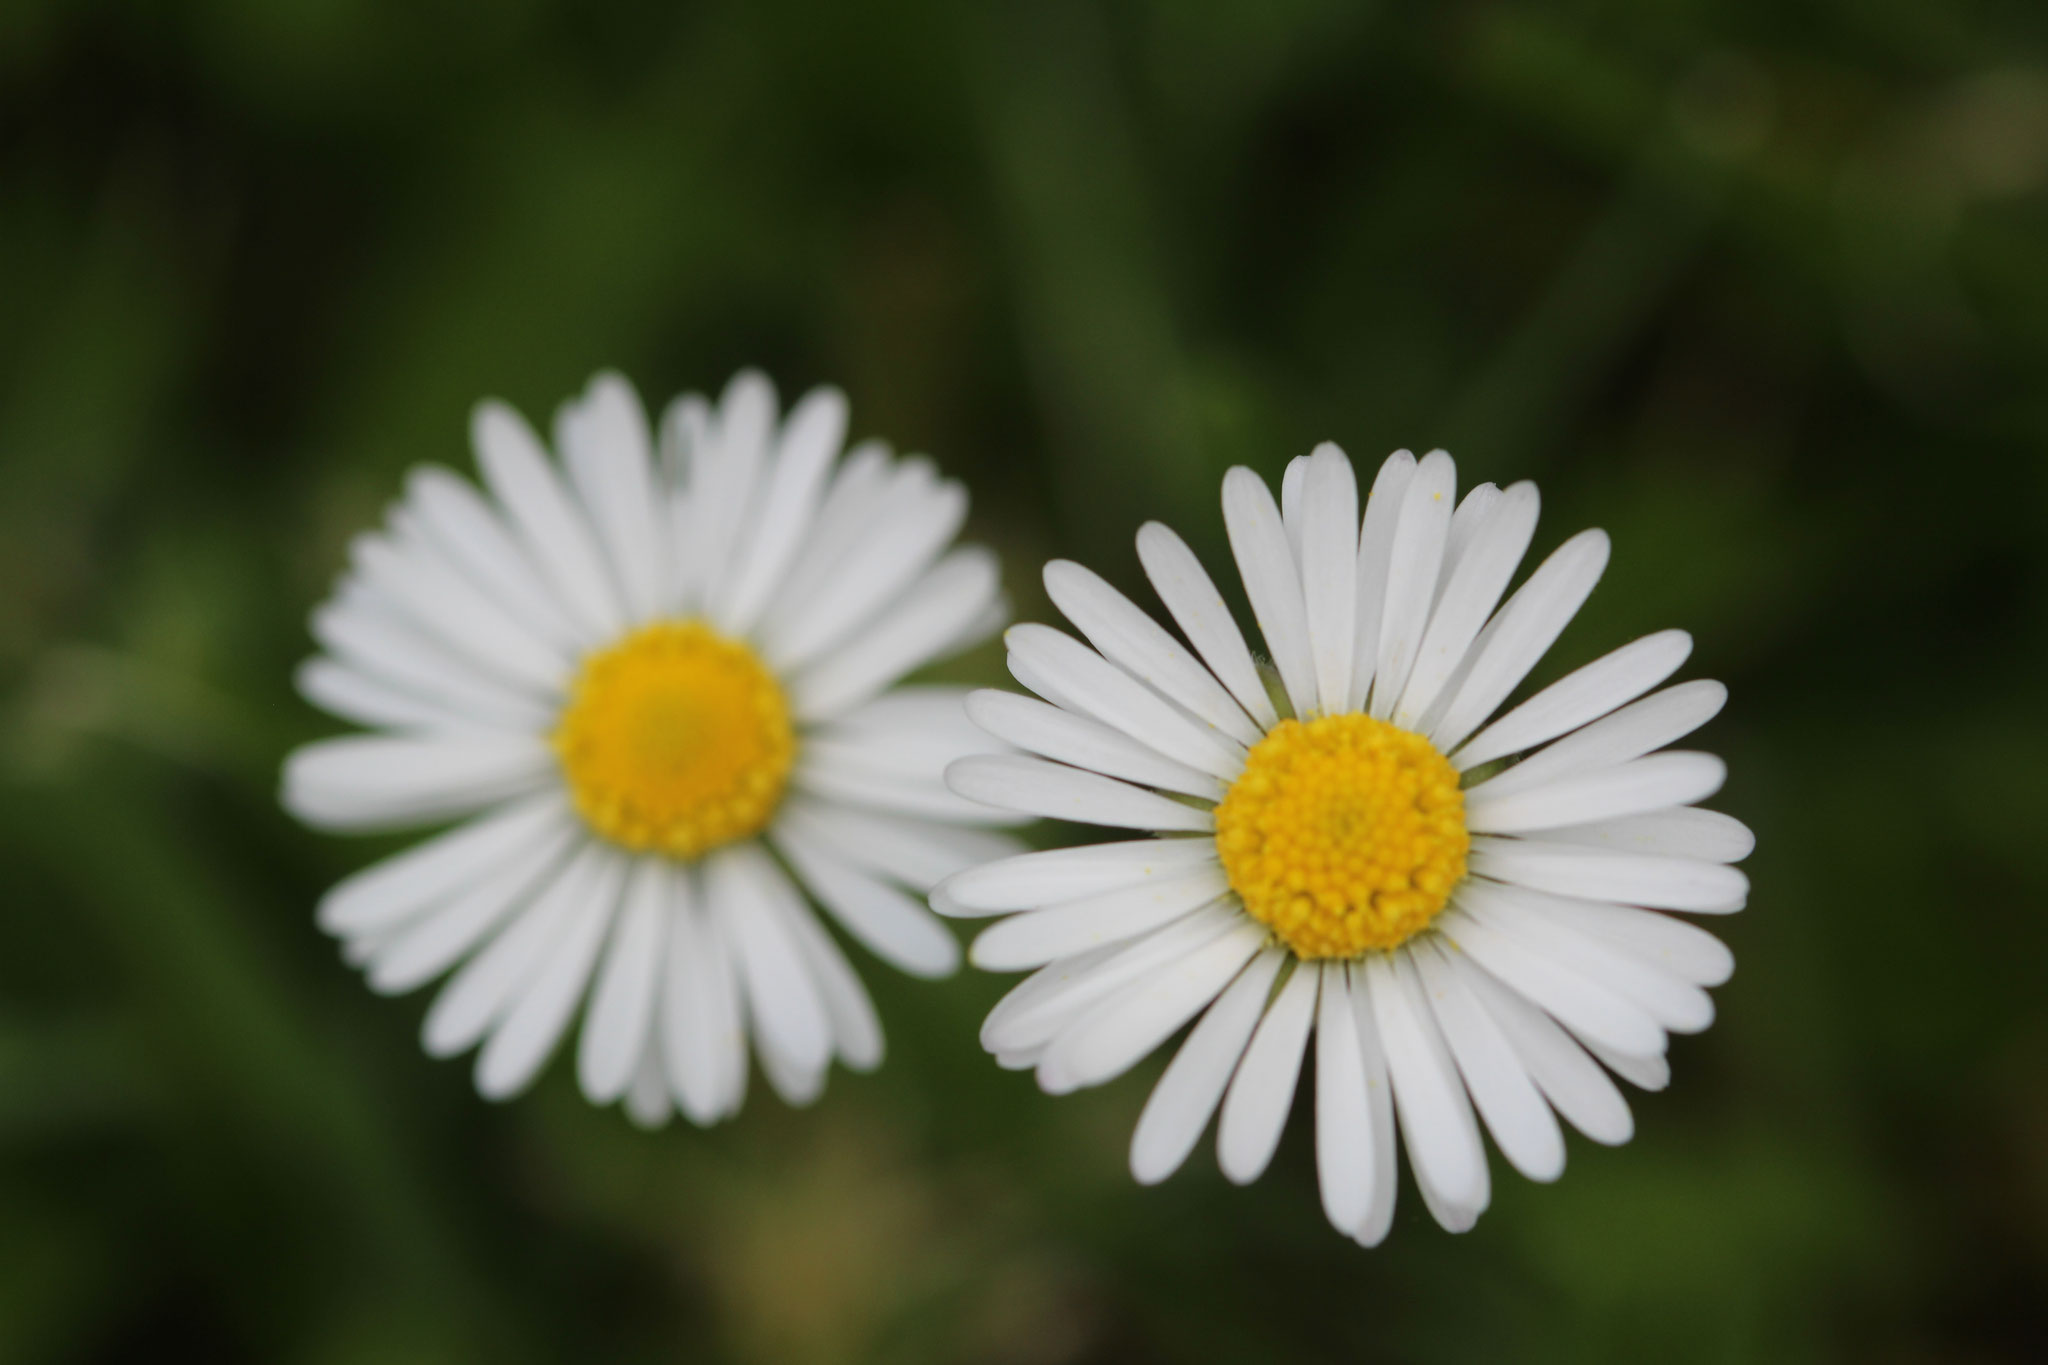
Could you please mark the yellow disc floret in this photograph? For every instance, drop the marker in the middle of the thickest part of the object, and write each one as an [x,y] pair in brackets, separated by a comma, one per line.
[1343,834]
[675,740]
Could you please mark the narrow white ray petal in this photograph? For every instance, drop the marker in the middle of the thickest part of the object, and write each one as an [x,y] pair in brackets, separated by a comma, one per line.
[1472,587]
[681,437]
[1379,1093]
[854,498]
[1117,699]
[1329,572]
[1037,937]
[1375,553]
[1501,1087]
[1588,1009]
[621,1018]
[353,695]
[743,887]
[383,781]
[1061,993]
[726,469]
[1191,1086]
[1685,950]
[1029,880]
[1707,835]
[605,444]
[796,1085]
[1117,1034]
[1203,616]
[359,632]
[1344,1128]
[893,926]
[1529,916]
[521,1044]
[388,892]
[1129,638]
[824,779]
[478,995]
[790,494]
[1052,732]
[856,1029]
[703,1035]
[1631,732]
[443,605]
[425,945]
[647,1102]
[1653,783]
[1473,510]
[1598,875]
[1035,787]
[1610,681]
[1255,1109]
[1570,1079]
[472,536]
[911,519]
[1518,637]
[917,629]
[554,530]
[1441,1133]
[1292,480]
[916,853]
[1644,1073]
[1414,565]
[1272,581]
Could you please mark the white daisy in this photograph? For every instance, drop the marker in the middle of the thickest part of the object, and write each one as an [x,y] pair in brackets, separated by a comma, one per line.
[1345,854]
[653,683]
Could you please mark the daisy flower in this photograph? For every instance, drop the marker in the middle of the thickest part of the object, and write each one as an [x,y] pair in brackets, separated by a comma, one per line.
[1470,918]
[656,682]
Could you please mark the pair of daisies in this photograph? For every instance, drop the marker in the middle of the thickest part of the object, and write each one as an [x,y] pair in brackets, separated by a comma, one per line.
[657,681]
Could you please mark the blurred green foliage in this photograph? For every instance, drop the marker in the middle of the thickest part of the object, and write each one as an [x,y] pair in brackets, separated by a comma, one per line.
[1762,288]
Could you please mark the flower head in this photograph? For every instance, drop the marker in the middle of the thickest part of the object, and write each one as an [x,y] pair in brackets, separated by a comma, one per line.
[656,681]
[1471,919]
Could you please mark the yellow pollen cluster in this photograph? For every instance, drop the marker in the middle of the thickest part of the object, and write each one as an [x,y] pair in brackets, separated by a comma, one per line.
[1343,834]
[675,740]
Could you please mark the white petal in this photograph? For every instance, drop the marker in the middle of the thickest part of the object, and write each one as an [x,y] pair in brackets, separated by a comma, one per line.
[477,996]
[426,945]
[1501,1087]
[1569,1079]
[621,1018]
[916,853]
[1588,1009]
[1028,880]
[1518,637]
[1654,783]
[1585,695]
[1471,589]
[1292,481]
[895,927]
[1035,787]
[1344,1128]
[1644,1073]
[1598,875]
[790,494]
[856,1030]
[1123,1029]
[683,438]
[555,532]
[647,1101]
[605,443]
[1379,1092]
[1191,597]
[445,607]
[1329,571]
[1436,1117]
[380,781]
[1634,730]
[1192,1084]
[703,1037]
[726,468]
[473,538]
[386,893]
[353,695]
[914,632]
[1271,580]
[1128,637]
[744,890]
[1065,737]
[1473,510]
[1414,563]
[1685,950]
[1707,835]
[854,499]
[365,636]
[1375,553]
[1262,1092]
[835,779]
[521,1044]
[1115,698]
[1037,937]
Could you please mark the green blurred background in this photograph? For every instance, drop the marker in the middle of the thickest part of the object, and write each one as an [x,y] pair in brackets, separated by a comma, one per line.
[1762,288]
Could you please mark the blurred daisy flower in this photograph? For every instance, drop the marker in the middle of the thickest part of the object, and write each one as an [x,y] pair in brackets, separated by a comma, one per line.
[656,683]
[1470,918]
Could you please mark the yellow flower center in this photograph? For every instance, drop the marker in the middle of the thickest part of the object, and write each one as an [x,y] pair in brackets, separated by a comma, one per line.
[675,740]
[1343,834]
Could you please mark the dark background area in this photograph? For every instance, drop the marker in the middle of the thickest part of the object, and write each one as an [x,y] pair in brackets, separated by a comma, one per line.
[1761,288]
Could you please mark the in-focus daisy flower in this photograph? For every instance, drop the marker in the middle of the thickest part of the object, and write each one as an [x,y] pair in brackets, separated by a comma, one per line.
[658,687]
[1469,917]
